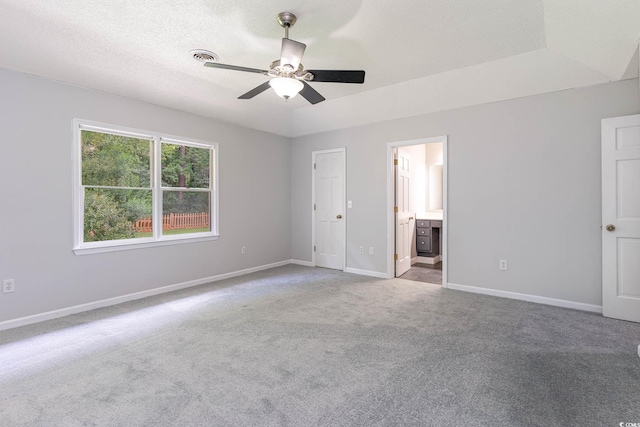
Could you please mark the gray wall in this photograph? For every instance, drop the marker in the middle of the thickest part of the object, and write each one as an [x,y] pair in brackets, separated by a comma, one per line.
[36,198]
[524,185]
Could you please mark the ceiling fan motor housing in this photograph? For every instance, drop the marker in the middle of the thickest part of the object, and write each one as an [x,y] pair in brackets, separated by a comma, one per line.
[286,19]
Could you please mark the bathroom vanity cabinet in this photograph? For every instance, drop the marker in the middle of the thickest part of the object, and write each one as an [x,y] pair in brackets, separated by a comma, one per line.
[428,237]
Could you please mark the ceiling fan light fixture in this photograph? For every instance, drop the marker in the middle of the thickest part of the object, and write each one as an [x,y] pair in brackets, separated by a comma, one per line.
[286,87]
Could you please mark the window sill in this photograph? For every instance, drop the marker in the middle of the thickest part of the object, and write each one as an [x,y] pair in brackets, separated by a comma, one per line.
[114,247]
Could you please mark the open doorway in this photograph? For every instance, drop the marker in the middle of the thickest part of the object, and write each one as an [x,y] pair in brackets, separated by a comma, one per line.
[417,205]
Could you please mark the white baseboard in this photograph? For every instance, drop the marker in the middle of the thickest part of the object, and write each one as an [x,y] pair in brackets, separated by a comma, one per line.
[527,297]
[300,262]
[346,270]
[41,317]
[426,259]
[366,273]
[27,320]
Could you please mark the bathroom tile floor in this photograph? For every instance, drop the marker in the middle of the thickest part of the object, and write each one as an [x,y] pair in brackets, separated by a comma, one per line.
[424,273]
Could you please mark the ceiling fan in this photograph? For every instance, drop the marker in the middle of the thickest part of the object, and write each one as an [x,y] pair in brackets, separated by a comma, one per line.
[289,76]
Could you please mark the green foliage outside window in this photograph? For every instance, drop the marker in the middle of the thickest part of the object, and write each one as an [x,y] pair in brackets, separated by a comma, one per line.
[104,220]
[117,180]
[184,166]
[114,160]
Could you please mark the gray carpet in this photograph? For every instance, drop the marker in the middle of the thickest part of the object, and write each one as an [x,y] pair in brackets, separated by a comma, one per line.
[297,346]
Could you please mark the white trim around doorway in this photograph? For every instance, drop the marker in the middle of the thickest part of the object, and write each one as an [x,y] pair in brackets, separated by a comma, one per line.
[445,202]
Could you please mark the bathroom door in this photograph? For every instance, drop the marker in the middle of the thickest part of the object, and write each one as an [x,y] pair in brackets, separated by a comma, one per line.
[621,218]
[403,213]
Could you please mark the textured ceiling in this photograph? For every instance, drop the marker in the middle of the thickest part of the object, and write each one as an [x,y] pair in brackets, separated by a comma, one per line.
[420,56]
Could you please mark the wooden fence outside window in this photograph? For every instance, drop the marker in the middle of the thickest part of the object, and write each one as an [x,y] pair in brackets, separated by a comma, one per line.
[174,222]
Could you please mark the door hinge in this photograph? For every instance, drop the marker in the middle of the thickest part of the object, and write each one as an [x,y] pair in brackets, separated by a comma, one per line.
[314,206]
[314,166]
[314,248]
[395,209]
[395,257]
[395,162]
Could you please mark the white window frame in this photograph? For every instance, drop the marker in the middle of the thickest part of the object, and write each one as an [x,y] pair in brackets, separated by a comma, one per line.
[157,239]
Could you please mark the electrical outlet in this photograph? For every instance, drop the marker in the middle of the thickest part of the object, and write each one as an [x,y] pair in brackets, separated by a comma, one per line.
[8,285]
[361,249]
[503,264]
[243,250]
[370,250]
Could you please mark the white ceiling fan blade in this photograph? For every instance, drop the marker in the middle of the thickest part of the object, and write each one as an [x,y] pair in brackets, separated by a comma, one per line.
[292,52]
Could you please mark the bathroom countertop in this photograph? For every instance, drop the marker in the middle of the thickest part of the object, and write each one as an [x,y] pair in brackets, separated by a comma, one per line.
[429,215]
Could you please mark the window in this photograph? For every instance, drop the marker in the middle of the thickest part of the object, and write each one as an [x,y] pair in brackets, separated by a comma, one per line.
[135,189]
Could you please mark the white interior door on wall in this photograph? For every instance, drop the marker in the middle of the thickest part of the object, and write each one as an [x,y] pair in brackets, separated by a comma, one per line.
[404,217]
[329,212]
[621,218]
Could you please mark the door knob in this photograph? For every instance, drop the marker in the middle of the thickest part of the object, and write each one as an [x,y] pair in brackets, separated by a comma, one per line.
[610,227]
[339,216]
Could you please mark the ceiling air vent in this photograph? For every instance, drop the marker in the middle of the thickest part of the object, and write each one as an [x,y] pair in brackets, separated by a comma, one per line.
[202,55]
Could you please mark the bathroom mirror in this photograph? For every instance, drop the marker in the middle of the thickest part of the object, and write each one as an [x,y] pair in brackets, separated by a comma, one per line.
[435,188]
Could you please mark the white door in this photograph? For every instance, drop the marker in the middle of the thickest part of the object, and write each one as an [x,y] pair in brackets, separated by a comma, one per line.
[329,218]
[621,218]
[403,214]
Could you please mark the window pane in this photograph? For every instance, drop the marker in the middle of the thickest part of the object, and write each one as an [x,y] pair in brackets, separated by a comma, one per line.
[116,214]
[114,160]
[184,166]
[185,212]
